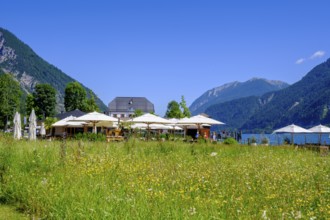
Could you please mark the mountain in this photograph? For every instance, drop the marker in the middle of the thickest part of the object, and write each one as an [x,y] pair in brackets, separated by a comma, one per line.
[29,69]
[235,90]
[305,103]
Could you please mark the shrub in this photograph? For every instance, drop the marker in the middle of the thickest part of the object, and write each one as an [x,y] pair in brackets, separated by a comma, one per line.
[230,141]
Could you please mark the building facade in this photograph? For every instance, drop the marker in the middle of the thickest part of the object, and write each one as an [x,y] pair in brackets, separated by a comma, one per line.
[124,107]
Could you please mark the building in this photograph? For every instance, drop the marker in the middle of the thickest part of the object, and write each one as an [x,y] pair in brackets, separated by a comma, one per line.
[124,107]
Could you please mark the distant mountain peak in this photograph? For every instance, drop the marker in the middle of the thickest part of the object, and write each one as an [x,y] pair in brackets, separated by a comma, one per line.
[233,90]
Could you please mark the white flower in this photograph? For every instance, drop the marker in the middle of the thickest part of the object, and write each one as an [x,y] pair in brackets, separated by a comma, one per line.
[192,211]
[264,215]
[213,154]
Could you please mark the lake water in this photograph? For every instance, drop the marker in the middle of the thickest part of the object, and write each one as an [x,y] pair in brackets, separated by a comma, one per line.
[278,139]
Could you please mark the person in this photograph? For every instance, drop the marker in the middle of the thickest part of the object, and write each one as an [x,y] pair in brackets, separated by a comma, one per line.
[214,136]
[197,135]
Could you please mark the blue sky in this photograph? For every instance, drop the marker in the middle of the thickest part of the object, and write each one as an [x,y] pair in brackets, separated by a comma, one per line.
[165,49]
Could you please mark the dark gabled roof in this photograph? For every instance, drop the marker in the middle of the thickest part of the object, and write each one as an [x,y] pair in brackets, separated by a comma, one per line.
[127,104]
[75,113]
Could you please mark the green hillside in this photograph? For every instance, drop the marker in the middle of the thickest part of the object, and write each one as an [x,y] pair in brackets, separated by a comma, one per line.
[29,69]
[306,103]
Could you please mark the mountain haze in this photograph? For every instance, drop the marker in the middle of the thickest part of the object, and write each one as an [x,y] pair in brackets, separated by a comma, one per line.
[305,103]
[235,90]
[29,69]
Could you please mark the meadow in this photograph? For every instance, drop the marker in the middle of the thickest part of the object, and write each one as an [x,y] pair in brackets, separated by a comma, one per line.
[162,180]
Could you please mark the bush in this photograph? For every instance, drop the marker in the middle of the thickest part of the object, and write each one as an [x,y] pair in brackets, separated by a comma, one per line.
[230,141]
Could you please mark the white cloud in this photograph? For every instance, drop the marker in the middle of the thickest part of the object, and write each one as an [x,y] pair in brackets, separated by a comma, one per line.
[300,61]
[317,54]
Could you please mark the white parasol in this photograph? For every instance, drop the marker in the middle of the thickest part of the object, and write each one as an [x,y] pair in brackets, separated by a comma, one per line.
[32,126]
[95,118]
[292,129]
[149,119]
[320,129]
[17,126]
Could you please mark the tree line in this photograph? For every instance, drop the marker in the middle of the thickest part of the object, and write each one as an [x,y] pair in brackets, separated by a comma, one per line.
[42,99]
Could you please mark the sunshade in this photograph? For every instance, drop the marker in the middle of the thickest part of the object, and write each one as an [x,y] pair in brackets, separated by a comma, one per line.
[149,119]
[199,120]
[320,129]
[32,126]
[292,129]
[42,129]
[67,122]
[17,126]
[95,118]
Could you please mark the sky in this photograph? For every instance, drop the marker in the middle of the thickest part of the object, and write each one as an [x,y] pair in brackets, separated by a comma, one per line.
[165,49]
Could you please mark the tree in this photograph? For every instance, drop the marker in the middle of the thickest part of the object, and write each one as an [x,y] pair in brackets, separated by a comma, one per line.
[137,113]
[185,109]
[90,104]
[29,104]
[10,94]
[44,97]
[74,97]
[173,110]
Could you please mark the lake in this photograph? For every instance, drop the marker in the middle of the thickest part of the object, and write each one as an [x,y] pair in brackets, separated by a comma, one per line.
[278,139]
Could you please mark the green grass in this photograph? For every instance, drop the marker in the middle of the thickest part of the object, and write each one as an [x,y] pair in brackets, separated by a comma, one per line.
[163,180]
[9,212]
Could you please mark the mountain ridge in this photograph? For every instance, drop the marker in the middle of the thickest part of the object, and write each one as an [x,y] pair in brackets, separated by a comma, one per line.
[234,90]
[29,69]
[306,103]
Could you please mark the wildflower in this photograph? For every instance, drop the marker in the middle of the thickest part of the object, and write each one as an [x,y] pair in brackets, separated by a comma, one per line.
[264,215]
[44,181]
[192,211]
[213,154]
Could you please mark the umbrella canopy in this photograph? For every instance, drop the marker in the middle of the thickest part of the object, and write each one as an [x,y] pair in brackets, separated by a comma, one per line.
[95,118]
[292,129]
[67,122]
[320,129]
[17,126]
[32,126]
[199,120]
[150,119]
[42,129]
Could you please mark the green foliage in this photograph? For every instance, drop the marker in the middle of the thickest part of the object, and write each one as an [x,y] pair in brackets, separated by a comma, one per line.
[27,61]
[173,110]
[185,109]
[44,100]
[230,141]
[29,103]
[137,113]
[75,97]
[253,139]
[91,105]
[49,121]
[10,95]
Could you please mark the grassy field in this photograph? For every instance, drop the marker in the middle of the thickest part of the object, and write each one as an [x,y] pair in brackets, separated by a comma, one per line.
[163,180]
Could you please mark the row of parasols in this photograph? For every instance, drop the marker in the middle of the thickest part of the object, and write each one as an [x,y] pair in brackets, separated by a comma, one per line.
[17,130]
[294,129]
[146,121]
[96,119]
